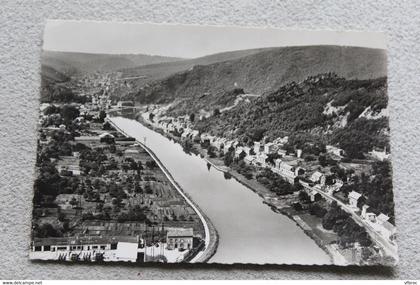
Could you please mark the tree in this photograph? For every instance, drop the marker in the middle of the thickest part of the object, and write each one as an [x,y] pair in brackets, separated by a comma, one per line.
[46,230]
[52,109]
[69,113]
[256,134]
[216,112]
[211,152]
[192,117]
[228,159]
[106,126]
[304,197]
[316,210]
[322,160]
[102,116]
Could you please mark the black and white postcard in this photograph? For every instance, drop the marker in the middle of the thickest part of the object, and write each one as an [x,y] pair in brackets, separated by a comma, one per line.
[194,144]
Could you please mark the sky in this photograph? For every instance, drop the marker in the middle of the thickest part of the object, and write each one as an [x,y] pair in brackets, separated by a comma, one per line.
[187,41]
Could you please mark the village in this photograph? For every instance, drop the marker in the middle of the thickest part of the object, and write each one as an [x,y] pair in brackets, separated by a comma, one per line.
[287,180]
[318,184]
[100,196]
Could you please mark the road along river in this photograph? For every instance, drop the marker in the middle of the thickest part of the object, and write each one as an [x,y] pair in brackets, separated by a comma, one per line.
[249,231]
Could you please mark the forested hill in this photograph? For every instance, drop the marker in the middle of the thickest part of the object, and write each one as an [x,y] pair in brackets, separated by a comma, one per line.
[74,63]
[323,109]
[265,71]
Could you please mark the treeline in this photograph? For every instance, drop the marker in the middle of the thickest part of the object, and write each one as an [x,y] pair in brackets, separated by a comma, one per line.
[58,93]
[276,183]
[361,136]
[348,230]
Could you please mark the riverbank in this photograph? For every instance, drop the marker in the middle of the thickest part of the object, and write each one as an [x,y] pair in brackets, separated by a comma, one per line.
[267,196]
[335,257]
[278,204]
[211,236]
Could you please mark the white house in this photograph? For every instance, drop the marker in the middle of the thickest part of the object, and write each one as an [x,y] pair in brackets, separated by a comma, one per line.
[195,135]
[330,189]
[353,198]
[238,151]
[247,150]
[318,177]
[68,163]
[382,218]
[379,154]
[228,145]
[388,230]
[288,169]
[179,238]
[219,143]
[261,158]
[250,159]
[282,152]
[186,133]
[335,150]
[270,148]
[258,147]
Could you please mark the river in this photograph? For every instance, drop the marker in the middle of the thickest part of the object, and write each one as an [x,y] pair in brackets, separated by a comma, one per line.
[249,231]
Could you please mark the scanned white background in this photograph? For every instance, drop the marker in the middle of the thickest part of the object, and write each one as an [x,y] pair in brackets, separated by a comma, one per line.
[21,25]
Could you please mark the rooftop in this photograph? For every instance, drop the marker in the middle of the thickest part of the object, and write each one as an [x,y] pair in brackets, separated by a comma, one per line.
[82,240]
[178,232]
[354,195]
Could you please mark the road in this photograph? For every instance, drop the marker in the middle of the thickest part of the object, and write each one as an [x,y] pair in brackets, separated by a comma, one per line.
[386,245]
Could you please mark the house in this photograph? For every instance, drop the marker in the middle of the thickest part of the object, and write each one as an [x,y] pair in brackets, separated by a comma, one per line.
[132,153]
[87,139]
[247,150]
[239,151]
[287,168]
[379,154]
[330,189]
[195,136]
[179,238]
[219,143]
[125,104]
[277,163]
[353,198]
[299,171]
[388,230]
[382,218]
[88,248]
[298,153]
[364,211]
[250,159]
[186,133]
[204,138]
[318,177]
[69,164]
[335,150]
[261,159]
[281,152]
[270,148]
[106,137]
[314,195]
[228,145]
[258,147]
[371,217]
